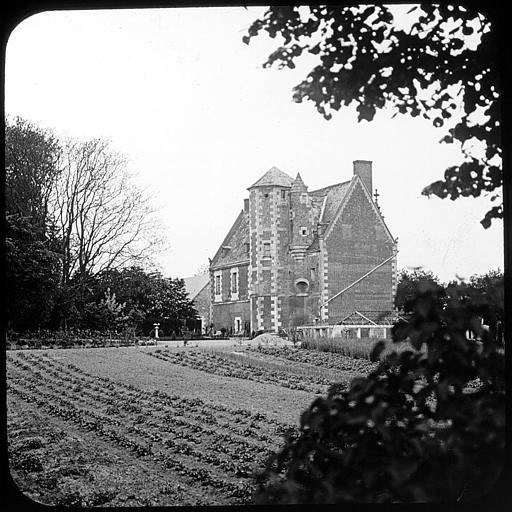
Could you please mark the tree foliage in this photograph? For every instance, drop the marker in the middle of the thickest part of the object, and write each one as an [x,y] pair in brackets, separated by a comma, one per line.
[31,170]
[424,426]
[489,286]
[74,214]
[445,57]
[32,272]
[135,298]
[410,284]
[107,315]
[32,259]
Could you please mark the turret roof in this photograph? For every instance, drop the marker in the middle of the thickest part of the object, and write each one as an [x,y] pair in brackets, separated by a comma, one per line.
[298,185]
[274,177]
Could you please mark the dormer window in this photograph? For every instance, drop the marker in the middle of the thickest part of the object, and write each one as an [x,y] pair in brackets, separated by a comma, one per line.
[303,231]
[247,247]
[225,250]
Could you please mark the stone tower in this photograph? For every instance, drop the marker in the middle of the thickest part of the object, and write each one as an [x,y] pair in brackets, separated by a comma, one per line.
[301,223]
[269,235]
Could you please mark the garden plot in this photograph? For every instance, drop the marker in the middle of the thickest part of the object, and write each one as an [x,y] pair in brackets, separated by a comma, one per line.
[329,360]
[145,426]
[199,453]
[267,370]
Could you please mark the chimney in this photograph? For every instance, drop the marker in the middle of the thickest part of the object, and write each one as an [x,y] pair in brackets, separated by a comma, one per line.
[363,168]
[246,205]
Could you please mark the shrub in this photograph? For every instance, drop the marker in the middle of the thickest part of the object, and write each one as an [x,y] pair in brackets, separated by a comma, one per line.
[352,347]
[70,338]
[416,428]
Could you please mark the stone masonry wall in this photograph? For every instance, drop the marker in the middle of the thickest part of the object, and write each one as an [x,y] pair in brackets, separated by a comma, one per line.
[357,243]
[269,224]
[224,314]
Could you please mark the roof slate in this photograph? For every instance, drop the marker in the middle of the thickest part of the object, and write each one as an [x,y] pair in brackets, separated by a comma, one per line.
[194,284]
[298,185]
[335,195]
[274,177]
[236,239]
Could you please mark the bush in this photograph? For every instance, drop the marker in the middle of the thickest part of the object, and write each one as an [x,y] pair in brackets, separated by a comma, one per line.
[426,425]
[359,348]
[69,339]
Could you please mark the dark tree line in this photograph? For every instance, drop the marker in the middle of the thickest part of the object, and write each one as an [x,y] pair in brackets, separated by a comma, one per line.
[411,283]
[77,230]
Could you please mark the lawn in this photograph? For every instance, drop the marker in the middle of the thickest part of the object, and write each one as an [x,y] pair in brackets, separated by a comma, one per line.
[140,426]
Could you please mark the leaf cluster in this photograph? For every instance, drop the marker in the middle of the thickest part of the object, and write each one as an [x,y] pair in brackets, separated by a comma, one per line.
[432,68]
[424,426]
[133,297]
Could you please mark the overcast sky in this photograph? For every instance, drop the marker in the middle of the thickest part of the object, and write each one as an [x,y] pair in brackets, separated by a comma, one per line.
[200,120]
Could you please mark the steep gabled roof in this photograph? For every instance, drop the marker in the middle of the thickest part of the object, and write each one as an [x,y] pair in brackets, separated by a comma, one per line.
[335,195]
[236,239]
[336,212]
[194,284]
[274,177]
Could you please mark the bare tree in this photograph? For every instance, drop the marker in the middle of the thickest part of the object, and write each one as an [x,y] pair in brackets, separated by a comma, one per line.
[104,220]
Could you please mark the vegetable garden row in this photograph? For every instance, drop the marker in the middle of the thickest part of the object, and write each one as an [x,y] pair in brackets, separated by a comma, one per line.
[202,445]
[300,369]
[258,368]
[331,360]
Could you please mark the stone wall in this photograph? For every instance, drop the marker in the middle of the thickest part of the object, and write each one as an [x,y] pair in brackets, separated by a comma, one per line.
[357,243]
[224,314]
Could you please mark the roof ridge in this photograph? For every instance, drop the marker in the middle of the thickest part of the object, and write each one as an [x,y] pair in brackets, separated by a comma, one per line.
[330,186]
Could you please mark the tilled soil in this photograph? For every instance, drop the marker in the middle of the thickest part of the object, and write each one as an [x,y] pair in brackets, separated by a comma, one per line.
[89,434]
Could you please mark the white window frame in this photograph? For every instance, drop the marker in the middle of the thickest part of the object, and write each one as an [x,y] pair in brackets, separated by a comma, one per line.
[234,295]
[217,296]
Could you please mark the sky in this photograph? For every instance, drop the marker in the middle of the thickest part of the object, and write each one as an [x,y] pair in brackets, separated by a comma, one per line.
[200,120]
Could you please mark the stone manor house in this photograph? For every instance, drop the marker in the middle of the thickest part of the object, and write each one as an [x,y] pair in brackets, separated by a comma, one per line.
[295,257]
